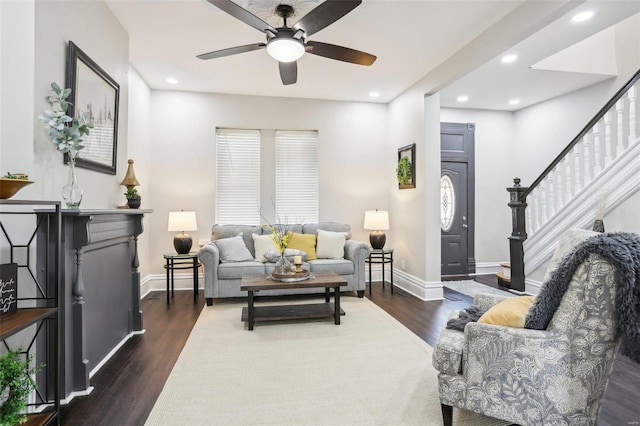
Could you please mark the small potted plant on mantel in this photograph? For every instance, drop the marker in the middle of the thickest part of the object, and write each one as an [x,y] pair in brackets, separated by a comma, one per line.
[133,198]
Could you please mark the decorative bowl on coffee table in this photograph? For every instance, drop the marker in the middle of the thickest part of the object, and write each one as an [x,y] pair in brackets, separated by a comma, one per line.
[291,277]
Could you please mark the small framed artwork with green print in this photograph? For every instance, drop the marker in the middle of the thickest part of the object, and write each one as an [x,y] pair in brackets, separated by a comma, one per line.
[406,167]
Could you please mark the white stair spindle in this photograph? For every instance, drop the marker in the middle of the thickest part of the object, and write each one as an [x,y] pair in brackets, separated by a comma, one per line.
[632,94]
[568,178]
[560,186]
[620,122]
[534,224]
[597,151]
[543,203]
[608,146]
[551,194]
[586,159]
[577,166]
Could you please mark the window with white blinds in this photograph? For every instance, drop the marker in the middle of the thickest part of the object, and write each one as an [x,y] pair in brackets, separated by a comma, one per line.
[238,176]
[297,175]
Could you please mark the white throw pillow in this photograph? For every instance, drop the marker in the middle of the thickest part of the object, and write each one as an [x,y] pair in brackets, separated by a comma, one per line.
[263,244]
[233,250]
[330,244]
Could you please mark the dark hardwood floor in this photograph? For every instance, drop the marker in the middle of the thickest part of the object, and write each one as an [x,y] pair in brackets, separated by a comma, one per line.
[127,386]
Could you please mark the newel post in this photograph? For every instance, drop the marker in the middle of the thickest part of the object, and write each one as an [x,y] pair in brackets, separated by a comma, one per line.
[518,204]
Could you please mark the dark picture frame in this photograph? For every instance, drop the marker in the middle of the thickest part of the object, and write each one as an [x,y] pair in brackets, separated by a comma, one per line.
[406,174]
[96,93]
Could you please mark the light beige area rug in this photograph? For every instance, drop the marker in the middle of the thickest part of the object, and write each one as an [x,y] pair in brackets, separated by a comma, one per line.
[370,370]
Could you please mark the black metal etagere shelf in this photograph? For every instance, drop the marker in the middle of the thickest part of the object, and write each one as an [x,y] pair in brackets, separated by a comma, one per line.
[40,310]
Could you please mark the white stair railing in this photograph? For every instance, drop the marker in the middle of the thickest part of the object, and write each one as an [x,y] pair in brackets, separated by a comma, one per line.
[585,161]
[604,153]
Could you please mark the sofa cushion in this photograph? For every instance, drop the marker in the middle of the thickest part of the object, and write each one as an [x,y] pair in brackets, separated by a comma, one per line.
[233,250]
[263,244]
[230,271]
[225,231]
[306,243]
[312,228]
[339,266]
[330,245]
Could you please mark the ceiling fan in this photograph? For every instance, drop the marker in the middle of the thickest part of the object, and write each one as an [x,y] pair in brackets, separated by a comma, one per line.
[288,44]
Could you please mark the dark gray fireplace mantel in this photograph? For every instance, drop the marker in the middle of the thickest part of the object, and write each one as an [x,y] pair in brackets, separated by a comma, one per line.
[99,288]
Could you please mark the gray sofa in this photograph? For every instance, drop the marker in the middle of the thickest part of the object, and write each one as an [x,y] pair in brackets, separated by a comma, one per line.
[223,279]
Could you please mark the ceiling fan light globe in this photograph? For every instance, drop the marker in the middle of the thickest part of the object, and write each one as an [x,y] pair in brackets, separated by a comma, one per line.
[285,49]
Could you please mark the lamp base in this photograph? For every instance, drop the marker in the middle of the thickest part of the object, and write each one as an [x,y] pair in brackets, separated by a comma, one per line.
[182,243]
[377,239]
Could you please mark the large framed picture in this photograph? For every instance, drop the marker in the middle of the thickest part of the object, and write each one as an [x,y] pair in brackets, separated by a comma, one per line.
[406,167]
[95,93]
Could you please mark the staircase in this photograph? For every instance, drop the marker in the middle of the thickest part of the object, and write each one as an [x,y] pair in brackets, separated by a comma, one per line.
[504,277]
[600,166]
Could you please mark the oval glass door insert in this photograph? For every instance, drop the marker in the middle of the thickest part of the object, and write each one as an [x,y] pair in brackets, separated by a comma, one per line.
[447,203]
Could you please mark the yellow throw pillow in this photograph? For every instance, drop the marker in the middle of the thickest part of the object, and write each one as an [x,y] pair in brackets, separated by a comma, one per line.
[510,312]
[304,242]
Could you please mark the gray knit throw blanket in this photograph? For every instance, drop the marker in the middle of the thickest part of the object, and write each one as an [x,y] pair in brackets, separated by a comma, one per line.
[623,251]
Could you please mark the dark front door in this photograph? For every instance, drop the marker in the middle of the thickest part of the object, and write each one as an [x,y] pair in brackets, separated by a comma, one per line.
[457,198]
[454,218]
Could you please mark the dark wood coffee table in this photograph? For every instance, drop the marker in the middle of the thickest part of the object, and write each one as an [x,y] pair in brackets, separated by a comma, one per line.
[326,280]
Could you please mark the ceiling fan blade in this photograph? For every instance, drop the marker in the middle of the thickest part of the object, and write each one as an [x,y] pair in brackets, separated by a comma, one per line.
[242,14]
[341,53]
[288,72]
[232,51]
[324,15]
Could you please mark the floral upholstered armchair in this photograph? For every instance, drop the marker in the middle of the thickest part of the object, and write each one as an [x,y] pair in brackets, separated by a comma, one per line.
[555,376]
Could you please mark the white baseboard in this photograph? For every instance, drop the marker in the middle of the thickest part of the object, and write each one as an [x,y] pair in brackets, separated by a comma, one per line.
[158,282]
[532,286]
[413,285]
[423,290]
[376,273]
[73,394]
[113,352]
[488,268]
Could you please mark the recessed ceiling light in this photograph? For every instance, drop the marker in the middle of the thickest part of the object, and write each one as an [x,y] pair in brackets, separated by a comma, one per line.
[507,59]
[462,98]
[172,80]
[582,16]
[514,101]
[374,94]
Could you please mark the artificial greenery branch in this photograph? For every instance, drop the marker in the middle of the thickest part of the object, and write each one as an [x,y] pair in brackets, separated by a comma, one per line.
[65,132]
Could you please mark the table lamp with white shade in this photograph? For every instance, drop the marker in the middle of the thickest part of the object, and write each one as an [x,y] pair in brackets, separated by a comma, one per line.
[377,221]
[180,222]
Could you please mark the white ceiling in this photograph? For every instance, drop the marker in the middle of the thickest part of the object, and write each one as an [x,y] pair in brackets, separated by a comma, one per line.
[409,37]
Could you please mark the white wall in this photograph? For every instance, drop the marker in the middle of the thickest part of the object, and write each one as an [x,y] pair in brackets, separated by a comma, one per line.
[355,164]
[139,150]
[93,28]
[407,206]
[544,129]
[494,151]
[17,46]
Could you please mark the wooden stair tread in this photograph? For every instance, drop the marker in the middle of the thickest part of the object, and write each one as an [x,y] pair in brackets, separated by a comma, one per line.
[502,276]
[506,265]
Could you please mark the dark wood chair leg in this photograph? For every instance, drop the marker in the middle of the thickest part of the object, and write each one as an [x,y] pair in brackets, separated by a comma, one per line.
[447,414]
[209,301]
